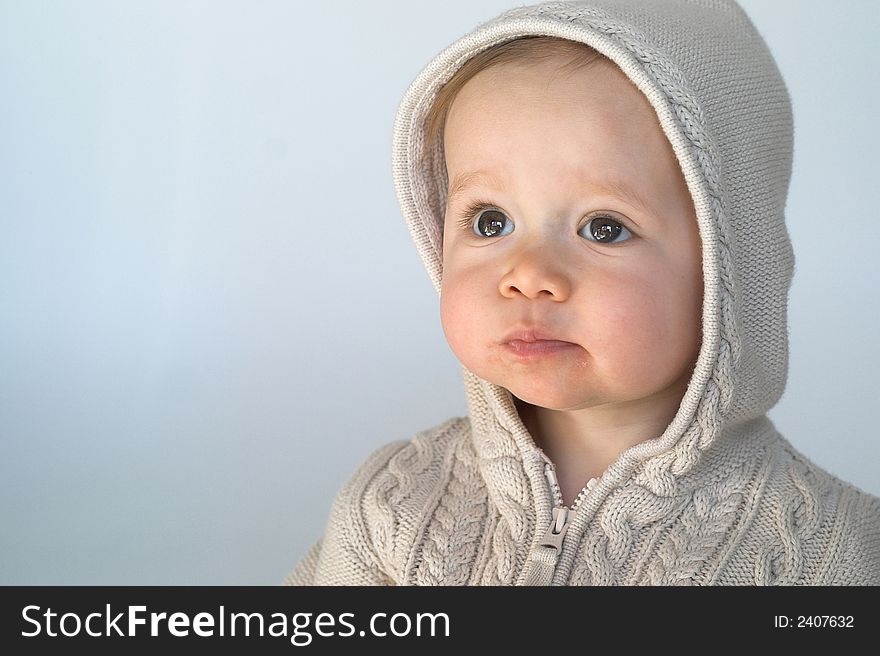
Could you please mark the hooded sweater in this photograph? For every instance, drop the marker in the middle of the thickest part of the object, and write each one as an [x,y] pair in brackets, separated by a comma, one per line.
[720,497]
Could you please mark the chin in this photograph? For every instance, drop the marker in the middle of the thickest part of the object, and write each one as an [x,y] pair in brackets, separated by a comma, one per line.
[554,394]
[551,400]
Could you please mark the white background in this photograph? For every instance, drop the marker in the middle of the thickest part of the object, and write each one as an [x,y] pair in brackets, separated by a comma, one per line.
[211,310]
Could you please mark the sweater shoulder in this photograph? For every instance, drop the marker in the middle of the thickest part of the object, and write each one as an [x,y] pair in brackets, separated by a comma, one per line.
[854,555]
[394,490]
[410,465]
[362,543]
[400,469]
[834,524]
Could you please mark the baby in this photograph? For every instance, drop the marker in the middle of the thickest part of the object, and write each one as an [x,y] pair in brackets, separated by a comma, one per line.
[597,190]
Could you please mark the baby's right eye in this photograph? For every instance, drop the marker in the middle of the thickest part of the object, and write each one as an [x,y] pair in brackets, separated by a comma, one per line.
[486,221]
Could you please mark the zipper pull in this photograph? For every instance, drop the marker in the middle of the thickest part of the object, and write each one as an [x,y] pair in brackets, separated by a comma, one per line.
[543,560]
[556,531]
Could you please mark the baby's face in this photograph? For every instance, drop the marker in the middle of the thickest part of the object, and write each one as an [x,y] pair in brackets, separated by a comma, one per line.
[564,164]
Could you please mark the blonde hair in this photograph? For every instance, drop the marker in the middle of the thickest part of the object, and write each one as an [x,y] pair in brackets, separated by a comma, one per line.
[521,49]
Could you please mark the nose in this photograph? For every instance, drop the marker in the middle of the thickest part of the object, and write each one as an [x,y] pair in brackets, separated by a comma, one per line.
[536,272]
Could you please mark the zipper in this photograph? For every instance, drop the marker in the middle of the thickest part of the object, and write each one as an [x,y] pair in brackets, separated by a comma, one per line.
[550,546]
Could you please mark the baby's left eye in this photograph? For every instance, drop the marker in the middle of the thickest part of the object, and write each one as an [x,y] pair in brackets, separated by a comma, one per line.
[605,230]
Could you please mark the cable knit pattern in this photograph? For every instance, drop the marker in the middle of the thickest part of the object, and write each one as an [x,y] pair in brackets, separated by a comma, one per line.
[698,533]
[500,459]
[451,539]
[781,559]
[721,497]
[389,490]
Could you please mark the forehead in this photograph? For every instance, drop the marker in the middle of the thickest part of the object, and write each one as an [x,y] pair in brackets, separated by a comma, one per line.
[599,89]
[589,126]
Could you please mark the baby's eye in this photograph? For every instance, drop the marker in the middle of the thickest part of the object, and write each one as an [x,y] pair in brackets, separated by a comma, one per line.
[487,221]
[605,230]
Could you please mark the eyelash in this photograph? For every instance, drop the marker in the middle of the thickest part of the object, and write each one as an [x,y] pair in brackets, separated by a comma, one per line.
[473,210]
[470,214]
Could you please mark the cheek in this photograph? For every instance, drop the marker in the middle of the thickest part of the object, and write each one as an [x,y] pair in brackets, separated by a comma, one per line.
[646,320]
[458,299]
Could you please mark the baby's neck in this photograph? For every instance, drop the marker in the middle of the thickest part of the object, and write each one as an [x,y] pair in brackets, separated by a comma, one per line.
[582,444]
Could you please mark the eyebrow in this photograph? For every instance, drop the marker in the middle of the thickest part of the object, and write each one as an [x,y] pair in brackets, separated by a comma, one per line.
[467,180]
[609,186]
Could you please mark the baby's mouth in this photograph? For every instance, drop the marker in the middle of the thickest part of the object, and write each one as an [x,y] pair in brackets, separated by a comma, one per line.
[533,341]
[538,347]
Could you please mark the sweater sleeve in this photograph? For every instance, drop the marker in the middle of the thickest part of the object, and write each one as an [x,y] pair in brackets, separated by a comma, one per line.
[345,553]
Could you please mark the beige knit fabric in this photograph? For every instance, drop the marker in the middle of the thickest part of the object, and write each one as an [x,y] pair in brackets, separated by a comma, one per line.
[720,497]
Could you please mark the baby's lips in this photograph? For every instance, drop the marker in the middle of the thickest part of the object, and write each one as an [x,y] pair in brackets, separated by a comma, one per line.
[532,333]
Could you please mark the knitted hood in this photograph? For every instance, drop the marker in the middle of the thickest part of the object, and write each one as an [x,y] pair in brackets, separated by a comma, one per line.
[723,106]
